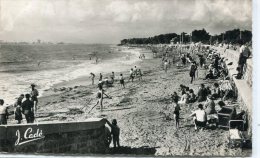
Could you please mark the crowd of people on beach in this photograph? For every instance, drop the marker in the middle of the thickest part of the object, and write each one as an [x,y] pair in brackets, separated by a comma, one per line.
[207,97]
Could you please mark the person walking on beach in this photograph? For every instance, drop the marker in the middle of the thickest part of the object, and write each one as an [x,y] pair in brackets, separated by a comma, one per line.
[27,109]
[3,113]
[92,76]
[34,97]
[115,132]
[122,80]
[193,70]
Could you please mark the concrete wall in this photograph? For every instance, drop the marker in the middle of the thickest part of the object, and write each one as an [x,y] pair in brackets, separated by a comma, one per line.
[243,86]
[73,137]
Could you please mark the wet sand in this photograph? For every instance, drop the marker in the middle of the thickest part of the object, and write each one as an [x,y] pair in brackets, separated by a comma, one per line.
[141,109]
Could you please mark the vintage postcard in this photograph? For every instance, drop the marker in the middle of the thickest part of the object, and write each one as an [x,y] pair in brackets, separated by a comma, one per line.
[126,77]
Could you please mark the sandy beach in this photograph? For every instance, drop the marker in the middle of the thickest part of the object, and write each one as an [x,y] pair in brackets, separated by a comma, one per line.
[141,109]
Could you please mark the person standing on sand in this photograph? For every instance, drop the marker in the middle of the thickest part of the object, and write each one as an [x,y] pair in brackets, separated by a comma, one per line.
[165,66]
[122,80]
[100,96]
[112,76]
[100,76]
[3,113]
[115,132]
[139,73]
[193,70]
[92,76]
[34,97]
[18,111]
[135,71]
[27,109]
[131,75]
[177,115]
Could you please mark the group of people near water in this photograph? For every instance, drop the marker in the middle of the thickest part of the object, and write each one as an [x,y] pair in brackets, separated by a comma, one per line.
[25,106]
[135,73]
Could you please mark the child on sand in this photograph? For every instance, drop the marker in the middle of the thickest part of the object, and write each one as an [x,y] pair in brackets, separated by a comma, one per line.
[131,75]
[122,81]
[115,132]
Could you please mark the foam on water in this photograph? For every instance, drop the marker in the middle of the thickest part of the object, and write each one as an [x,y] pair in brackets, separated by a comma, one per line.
[14,84]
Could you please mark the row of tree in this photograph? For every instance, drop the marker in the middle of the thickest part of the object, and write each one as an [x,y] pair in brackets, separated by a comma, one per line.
[232,36]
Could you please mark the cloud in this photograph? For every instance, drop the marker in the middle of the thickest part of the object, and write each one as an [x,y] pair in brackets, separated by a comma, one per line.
[107,21]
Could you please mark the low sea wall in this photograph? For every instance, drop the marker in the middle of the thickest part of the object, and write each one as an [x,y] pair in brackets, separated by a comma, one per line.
[72,137]
[243,86]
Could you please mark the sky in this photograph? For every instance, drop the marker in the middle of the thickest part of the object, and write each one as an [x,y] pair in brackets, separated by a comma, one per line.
[109,21]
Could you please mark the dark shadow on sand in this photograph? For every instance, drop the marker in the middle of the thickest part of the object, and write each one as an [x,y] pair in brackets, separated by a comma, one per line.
[126,150]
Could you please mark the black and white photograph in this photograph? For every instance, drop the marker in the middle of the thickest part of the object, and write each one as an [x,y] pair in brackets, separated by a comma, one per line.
[126,78]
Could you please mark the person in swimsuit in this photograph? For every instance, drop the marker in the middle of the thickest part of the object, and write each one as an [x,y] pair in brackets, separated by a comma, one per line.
[122,81]
[34,97]
[92,76]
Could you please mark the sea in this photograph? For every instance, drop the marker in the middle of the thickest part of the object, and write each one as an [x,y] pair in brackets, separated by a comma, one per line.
[48,64]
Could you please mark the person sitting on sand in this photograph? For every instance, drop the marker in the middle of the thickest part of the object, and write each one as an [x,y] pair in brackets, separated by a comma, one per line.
[27,109]
[122,80]
[199,117]
[209,75]
[3,113]
[216,91]
[115,132]
[210,106]
[177,115]
[192,97]
[175,97]
[221,105]
[34,97]
[184,99]
[92,76]
[202,93]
